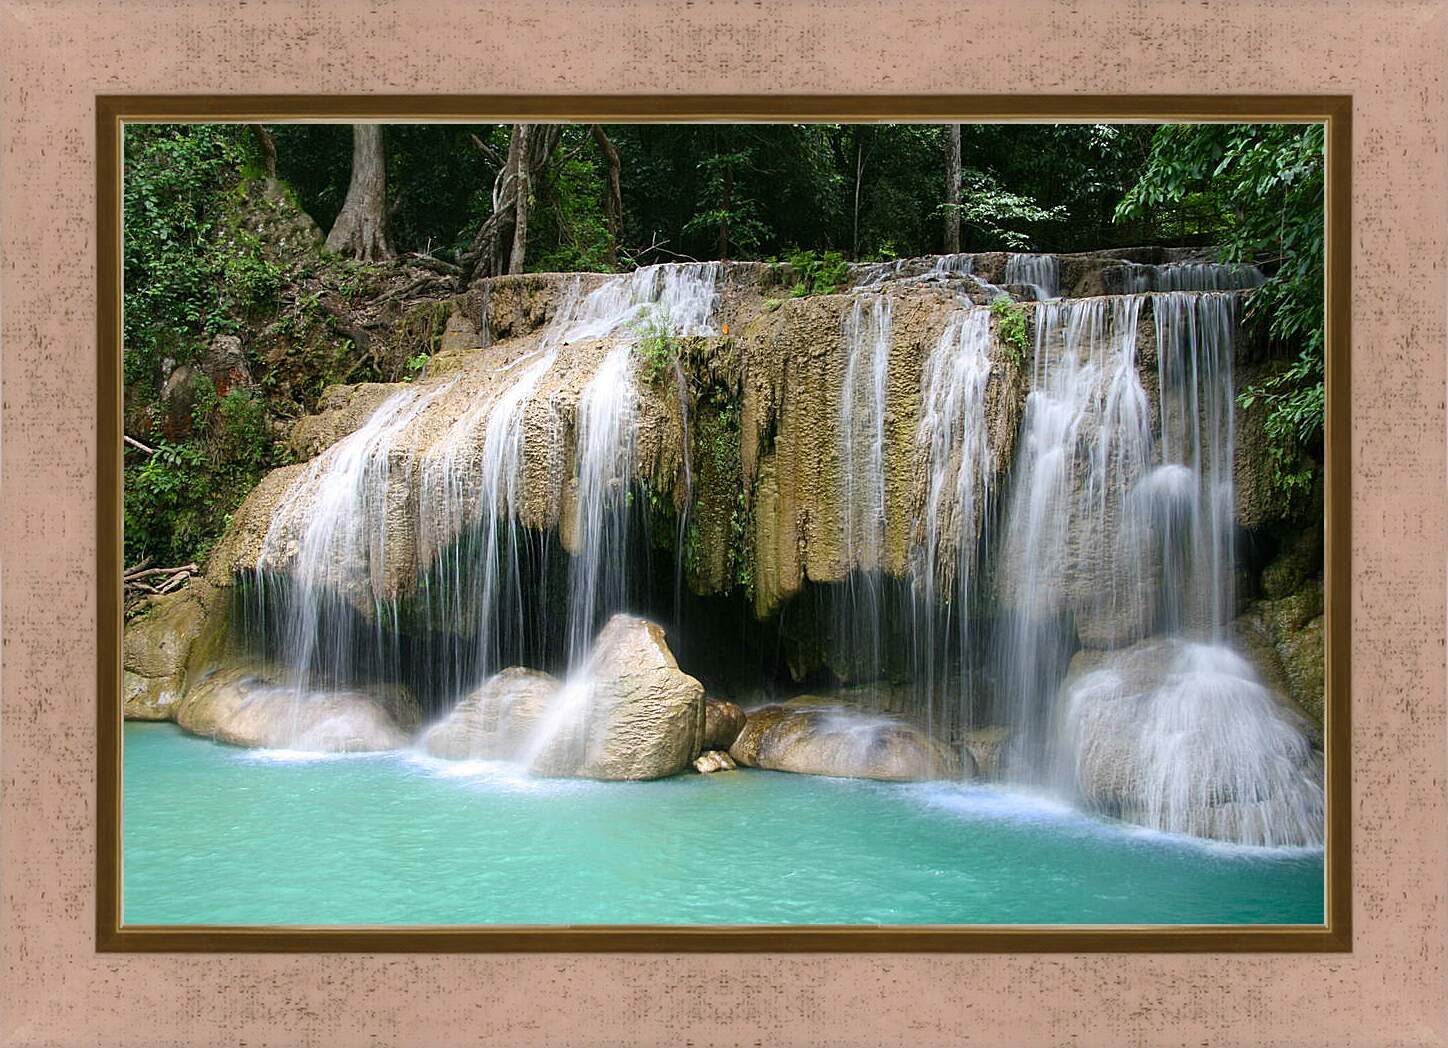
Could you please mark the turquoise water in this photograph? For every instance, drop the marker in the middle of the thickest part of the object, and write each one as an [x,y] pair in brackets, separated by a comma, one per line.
[216,835]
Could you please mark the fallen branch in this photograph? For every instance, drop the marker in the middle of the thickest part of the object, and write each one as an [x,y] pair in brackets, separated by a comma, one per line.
[437,265]
[137,444]
[139,572]
[411,289]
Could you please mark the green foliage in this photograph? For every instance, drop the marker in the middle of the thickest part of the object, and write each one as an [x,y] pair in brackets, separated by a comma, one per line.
[569,229]
[180,499]
[415,365]
[818,274]
[1262,185]
[190,271]
[658,346]
[990,212]
[1011,327]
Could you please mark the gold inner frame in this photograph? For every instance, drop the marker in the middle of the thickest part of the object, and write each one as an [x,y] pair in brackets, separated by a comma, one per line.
[1334,111]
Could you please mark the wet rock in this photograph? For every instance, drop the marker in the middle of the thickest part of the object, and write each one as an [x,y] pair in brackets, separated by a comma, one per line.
[632,715]
[495,721]
[986,747]
[239,707]
[830,740]
[714,760]
[723,721]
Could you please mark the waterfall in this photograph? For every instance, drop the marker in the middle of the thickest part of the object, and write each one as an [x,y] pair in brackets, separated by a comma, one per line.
[332,542]
[1189,276]
[329,533]
[1118,558]
[598,575]
[1040,273]
[954,441]
[1190,496]
[860,617]
[1069,546]
[683,295]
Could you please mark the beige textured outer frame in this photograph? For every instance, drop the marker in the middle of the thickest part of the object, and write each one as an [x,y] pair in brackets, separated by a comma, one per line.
[58,56]
[113,113]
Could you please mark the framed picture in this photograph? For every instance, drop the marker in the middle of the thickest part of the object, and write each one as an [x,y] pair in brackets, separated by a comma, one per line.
[452,524]
[524,501]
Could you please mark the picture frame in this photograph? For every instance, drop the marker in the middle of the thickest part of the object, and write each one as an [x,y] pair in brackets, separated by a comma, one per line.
[1333,111]
[59,987]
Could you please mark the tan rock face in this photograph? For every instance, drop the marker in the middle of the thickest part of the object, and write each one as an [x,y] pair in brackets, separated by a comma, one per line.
[723,721]
[495,721]
[157,646]
[765,436]
[237,707]
[833,741]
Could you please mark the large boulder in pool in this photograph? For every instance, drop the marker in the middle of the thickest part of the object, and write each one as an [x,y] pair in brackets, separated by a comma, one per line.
[495,721]
[1188,738]
[723,721]
[811,739]
[244,709]
[632,714]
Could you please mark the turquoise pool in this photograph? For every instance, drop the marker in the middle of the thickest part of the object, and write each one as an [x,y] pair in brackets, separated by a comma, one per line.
[216,835]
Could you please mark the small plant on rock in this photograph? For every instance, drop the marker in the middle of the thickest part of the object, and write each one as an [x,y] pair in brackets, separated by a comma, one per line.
[1011,327]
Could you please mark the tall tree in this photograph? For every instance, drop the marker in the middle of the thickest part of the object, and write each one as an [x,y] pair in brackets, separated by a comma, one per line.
[361,227]
[952,190]
[501,243]
[268,148]
[613,198]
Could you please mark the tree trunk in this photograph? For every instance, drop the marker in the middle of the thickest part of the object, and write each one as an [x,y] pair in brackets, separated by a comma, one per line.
[613,200]
[268,147]
[501,243]
[859,177]
[360,231]
[952,191]
[523,200]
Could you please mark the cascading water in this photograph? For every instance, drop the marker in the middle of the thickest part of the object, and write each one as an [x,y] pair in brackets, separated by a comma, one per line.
[1040,273]
[330,538]
[329,534]
[1189,276]
[865,334]
[1094,621]
[954,441]
[1122,544]
[1069,547]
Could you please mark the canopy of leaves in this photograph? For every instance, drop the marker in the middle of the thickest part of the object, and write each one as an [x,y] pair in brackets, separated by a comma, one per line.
[1257,189]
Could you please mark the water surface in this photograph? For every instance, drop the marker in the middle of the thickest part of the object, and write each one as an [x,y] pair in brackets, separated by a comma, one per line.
[217,835]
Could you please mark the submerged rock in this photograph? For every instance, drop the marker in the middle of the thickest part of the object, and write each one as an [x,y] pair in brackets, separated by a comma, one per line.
[986,746]
[723,721]
[237,707]
[714,760]
[830,740]
[495,721]
[1186,738]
